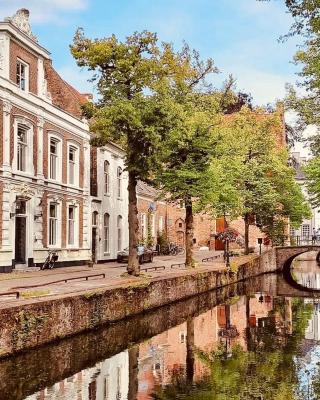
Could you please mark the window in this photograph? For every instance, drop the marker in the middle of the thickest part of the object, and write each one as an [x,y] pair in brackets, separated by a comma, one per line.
[106,233]
[119,229]
[22,75]
[292,231]
[152,225]
[106,177]
[160,223]
[22,147]
[72,164]
[143,225]
[119,178]
[305,230]
[71,225]
[183,337]
[95,218]
[53,223]
[54,157]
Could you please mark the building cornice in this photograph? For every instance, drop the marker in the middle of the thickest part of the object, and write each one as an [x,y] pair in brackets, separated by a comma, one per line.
[38,107]
[24,38]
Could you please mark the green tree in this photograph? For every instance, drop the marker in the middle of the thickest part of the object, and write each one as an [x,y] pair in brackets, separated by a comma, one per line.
[133,109]
[186,176]
[259,169]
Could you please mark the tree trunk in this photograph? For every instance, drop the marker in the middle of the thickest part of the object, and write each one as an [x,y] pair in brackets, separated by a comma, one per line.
[190,351]
[133,372]
[133,262]
[189,234]
[246,233]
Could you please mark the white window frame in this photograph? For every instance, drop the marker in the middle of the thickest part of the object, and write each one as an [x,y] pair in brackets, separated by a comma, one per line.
[76,164]
[26,77]
[119,182]
[106,178]
[153,225]
[58,140]
[305,227]
[119,232]
[143,224]
[57,243]
[75,243]
[106,234]
[160,224]
[29,168]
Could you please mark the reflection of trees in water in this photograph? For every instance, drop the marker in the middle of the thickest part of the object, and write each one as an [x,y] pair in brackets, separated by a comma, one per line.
[267,370]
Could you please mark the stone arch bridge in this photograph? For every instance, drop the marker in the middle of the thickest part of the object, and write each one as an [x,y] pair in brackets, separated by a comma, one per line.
[286,285]
[286,254]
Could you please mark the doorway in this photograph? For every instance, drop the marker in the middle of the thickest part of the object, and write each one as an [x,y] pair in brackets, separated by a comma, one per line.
[20,232]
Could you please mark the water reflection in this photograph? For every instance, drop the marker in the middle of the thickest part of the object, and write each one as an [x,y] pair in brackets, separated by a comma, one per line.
[244,342]
[305,271]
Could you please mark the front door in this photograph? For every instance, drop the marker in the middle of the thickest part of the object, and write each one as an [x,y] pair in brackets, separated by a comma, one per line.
[20,241]
[220,227]
[180,238]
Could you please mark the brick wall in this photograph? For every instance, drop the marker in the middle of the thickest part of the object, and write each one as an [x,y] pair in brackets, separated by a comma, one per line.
[17,112]
[45,218]
[63,95]
[254,231]
[1,216]
[1,132]
[66,137]
[19,52]
[173,222]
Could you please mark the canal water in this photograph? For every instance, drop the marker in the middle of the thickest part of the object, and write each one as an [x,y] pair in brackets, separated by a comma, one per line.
[259,339]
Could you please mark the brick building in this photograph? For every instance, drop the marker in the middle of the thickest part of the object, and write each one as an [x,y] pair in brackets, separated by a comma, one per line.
[157,216]
[44,155]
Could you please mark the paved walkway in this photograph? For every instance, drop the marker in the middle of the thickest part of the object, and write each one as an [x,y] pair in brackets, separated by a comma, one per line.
[37,285]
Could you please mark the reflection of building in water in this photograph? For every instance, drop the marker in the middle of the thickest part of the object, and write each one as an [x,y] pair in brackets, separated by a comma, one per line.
[165,355]
[313,330]
[107,380]
[172,353]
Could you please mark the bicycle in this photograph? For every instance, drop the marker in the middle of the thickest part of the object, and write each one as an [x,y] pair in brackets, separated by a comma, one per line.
[50,260]
[176,250]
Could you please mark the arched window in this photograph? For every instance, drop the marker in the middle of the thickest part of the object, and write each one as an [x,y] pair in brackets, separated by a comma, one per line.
[119,185]
[106,177]
[106,221]
[119,230]
[95,218]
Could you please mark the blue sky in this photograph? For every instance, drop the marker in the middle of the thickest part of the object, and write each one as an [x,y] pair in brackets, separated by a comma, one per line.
[240,35]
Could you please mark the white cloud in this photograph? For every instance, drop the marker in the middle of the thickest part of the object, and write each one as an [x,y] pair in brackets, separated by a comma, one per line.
[42,11]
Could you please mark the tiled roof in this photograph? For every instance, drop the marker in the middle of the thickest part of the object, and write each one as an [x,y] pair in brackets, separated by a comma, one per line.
[143,189]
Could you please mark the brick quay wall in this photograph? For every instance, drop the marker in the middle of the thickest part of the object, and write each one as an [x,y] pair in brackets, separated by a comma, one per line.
[38,322]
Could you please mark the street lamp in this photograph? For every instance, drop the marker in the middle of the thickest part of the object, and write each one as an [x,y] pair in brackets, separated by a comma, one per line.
[226,243]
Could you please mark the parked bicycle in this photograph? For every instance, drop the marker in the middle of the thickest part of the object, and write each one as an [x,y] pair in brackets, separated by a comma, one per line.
[175,250]
[50,260]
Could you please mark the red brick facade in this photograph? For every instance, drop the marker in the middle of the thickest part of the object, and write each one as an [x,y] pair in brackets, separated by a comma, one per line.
[17,51]
[173,217]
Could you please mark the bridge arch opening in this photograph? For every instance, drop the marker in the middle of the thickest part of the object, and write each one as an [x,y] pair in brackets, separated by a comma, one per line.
[298,278]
